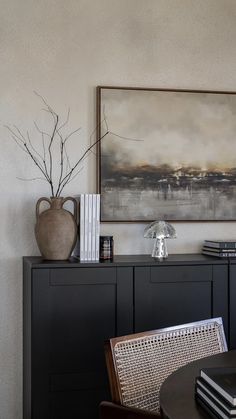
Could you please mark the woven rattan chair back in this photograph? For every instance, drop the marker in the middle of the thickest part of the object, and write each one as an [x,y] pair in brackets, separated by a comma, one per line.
[138,364]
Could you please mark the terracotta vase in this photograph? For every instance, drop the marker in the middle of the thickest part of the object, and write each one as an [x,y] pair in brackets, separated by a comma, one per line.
[56,229]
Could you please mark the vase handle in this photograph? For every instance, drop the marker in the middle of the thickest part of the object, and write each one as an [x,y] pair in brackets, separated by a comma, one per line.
[69,198]
[38,204]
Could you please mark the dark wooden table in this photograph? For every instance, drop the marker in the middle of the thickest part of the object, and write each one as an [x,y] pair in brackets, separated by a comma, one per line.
[177,392]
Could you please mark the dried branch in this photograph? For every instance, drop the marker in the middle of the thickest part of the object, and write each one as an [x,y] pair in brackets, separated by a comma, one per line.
[68,165]
[16,141]
[21,136]
[34,178]
[104,117]
[50,151]
[124,138]
[62,164]
[41,131]
[71,133]
[44,161]
[48,108]
[33,148]
[23,144]
[66,178]
[26,149]
[66,121]
[79,171]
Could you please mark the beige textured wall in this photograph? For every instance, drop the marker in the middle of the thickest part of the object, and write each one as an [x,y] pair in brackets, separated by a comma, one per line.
[63,49]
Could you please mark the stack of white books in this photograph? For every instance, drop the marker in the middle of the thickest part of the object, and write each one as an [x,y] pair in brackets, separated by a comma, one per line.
[89,226]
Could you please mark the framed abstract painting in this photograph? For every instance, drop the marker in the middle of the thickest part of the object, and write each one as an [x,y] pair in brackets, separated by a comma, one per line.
[166,155]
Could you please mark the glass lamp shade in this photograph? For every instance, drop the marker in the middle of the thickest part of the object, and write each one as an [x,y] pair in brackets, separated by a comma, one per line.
[160,230]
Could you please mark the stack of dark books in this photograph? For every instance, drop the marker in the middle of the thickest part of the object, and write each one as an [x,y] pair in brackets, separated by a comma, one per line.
[216,392]
[219,248]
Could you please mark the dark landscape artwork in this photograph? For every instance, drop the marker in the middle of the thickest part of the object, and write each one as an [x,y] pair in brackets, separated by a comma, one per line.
[169,155]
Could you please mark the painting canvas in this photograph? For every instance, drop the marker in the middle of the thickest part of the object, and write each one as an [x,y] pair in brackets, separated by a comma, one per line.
[169,154]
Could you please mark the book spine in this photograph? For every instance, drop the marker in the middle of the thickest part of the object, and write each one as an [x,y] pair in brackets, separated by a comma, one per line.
[214,398]
[90,211]
[221,245]
[213,249]
[214,413]
[97,250]
[81,227]
[218,388]
[86,227]
[220,254]
[94,196]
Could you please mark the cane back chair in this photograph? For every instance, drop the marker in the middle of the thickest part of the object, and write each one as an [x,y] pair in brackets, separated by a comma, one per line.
[139,363]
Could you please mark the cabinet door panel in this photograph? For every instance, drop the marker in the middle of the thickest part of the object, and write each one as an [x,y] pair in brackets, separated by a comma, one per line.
[170,304]
[74,396]
[220,296]
[171,295]
[181,273]
[74,312]
[82,276]
[76,404]
[81,318]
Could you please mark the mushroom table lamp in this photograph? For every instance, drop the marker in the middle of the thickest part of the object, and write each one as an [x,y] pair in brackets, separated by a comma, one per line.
[160,230]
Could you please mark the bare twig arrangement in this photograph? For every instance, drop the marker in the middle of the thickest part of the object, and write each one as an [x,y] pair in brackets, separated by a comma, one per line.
[44,160]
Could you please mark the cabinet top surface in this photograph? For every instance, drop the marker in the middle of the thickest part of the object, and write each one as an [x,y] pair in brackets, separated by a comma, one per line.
[127,260]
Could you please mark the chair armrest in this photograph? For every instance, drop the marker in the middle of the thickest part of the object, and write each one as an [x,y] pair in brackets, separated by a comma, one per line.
[110,410]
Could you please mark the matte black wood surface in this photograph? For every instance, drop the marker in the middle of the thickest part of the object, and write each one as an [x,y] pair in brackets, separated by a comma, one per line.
[71,308]
[177,398]
[128,260]
[171,295]
[70,313]
[232,304]
[27,348]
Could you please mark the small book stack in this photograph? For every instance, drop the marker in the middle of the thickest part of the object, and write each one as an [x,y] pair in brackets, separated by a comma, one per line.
[216,391]
[219,248]
[89,227]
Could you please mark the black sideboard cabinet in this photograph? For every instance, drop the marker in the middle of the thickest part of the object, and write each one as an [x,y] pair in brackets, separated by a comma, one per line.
[71,308]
